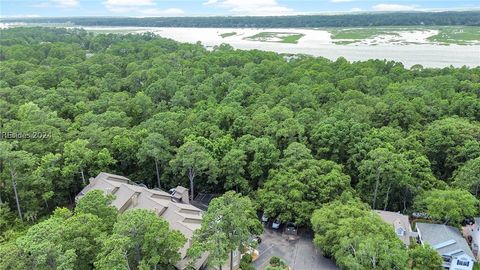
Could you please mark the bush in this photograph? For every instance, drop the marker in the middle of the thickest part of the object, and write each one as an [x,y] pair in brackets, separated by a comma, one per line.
[275,268]
[246,266]
[247,258]
[274,261]
[277,262]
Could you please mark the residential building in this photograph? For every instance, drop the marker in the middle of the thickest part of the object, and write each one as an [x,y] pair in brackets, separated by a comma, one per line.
[174,208]
[449,243]
[400,224]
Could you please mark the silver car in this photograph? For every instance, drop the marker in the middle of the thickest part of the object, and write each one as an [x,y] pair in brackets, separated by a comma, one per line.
[276,224]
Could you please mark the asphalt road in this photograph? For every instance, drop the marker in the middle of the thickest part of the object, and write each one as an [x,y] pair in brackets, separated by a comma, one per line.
[300,254]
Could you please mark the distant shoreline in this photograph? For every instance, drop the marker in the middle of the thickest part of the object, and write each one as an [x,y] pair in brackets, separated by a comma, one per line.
[298,21]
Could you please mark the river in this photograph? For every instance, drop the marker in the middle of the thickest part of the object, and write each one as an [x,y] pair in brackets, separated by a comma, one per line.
[412,49]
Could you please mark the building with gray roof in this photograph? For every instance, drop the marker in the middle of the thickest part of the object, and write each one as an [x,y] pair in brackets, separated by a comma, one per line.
[449,243]
[400,224]
[174,208]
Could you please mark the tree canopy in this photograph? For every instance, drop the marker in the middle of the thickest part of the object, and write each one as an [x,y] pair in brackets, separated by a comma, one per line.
[227,225]
[449,206]
[291,132]
[357,237]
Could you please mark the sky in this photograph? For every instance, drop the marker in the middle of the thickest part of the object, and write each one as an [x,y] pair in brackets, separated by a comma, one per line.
[148,8]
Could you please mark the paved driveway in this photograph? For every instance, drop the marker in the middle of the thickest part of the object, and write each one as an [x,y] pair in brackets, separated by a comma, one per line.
[300,254]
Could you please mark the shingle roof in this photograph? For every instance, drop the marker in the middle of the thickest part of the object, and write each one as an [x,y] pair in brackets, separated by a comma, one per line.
[445,239]
[399,222]
[183,217]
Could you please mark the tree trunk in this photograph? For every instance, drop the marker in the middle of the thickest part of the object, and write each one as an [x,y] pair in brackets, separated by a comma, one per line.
[1,183]
[83,177]
[126,259]
[231,259]
[191,176]
[354,251]
[158,173]
[386,198]
[405,195]
[377,183]
[51,262]
[220,267]
[14,184]
[138,256]
[447,219]
[476,191]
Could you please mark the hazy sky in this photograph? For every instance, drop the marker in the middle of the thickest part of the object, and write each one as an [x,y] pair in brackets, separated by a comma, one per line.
[144,8]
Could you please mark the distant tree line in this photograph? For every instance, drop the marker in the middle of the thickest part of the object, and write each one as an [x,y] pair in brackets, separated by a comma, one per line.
[342,20]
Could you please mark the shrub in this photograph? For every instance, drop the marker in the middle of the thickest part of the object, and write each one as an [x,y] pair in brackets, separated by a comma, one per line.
[247,258]
[277,262]
[246,266]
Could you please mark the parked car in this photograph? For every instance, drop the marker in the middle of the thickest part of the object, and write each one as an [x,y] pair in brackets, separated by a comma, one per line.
[291,228]
[468,221]
[264,218]
[256,239]
[276,224]
[420,215]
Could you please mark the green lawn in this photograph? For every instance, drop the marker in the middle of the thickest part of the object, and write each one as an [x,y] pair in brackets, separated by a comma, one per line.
[447,35]
[292,38]
[457,35]
[361,33]
[229,34]
[281,37]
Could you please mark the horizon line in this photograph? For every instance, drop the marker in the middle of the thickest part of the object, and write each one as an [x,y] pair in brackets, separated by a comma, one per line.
[324,13]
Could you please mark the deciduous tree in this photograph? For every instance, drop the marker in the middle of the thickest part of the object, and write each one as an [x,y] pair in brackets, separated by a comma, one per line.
[227,225]
[194,160]
[450,206]
[140,240]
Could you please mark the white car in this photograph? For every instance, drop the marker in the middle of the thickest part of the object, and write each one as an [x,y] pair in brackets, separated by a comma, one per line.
[264,218]
[276,224]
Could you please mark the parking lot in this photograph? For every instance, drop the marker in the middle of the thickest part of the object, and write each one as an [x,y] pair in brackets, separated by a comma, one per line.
[299,254]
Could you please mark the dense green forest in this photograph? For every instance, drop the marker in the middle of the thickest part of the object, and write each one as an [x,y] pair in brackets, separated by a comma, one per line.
[343,20]
[297,135]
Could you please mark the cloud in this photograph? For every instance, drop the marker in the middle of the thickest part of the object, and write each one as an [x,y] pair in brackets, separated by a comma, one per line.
[142,7]
[128,3]
[65,3]
[162,12]
[341,1]
[356,9]
[21,16]
[394,7]
[57,4]
[211,2]
[251,7]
